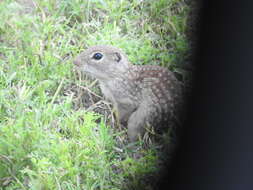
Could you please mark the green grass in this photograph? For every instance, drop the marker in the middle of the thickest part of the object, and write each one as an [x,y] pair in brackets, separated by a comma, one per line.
[46,143]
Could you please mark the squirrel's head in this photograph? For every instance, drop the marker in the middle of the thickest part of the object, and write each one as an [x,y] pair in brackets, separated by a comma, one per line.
[102,62]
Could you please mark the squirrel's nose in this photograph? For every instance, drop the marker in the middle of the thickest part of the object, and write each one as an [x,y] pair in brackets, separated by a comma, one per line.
[77,62]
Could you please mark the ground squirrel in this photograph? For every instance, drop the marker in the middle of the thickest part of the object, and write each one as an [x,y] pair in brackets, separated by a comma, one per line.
[143,95]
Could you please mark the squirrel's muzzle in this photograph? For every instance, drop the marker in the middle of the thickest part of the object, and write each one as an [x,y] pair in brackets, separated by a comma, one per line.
[77,62]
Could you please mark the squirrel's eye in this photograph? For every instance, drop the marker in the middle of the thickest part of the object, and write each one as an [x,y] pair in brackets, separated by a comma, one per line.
[97,56]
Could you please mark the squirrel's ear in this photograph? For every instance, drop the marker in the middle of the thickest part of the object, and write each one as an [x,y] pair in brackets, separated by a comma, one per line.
[117,57]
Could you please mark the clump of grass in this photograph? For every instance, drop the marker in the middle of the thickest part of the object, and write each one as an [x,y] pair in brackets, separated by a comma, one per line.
[44,142]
